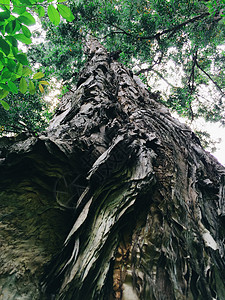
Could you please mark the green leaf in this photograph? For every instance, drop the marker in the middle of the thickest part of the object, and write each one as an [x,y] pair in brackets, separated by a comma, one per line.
[3,94]
[53,15]
[2,29]
[27,19]
[23,85]
[19,9]
[22,58]
[14,77]
[38,75]
[13,42]
[15,49]
[13,87]
[44,82]
[1,66]
[16,27]
[41,11]
[6,3]
[19,69]
[5,87]
[26,71]
[11,64]
[15,2]
[6,74]
[4,15]
[26,31]
[4,46]
[41,88]
[27,2]
[22,38]
[31,88]
[61,1]
[65,12]
[10,27]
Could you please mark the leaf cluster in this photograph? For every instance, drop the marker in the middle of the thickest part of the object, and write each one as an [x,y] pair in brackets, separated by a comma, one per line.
[15,18]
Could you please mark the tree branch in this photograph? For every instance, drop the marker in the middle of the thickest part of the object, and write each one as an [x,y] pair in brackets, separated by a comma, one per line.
[175,28]
[163,78]
[113,32]
[122,30]
[150,68]
[157,35]
[191,80]
[210,77]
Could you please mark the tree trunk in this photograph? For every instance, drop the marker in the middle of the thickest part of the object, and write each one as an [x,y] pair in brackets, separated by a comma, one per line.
[116,200]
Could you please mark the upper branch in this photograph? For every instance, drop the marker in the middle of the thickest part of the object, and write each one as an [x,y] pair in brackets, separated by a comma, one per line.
[157,35]
[175,28]
[150,68]
[191,81]
[210,77]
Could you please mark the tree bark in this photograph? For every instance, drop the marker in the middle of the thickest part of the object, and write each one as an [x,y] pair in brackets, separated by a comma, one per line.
[116,200]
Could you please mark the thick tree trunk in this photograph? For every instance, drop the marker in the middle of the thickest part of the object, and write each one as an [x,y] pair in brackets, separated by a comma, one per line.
[117,200]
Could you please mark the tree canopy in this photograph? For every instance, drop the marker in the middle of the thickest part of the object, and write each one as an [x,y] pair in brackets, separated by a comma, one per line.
[153,35]
[158,39]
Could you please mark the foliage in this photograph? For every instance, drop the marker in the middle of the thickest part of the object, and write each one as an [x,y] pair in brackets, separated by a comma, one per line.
[26,113]
[151,35]
[22,108]
[62,56]
[15,18]
[206,140]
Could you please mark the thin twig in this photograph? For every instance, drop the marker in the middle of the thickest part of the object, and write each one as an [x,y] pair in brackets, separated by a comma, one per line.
[150,68]
[191,80]
[113,32]
[210,77]
[163,78]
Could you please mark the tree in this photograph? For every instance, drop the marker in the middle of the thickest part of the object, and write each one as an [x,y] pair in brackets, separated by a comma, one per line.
[149,34]
[137,201]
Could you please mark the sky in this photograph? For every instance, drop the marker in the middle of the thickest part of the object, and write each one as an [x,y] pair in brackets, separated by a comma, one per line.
[217,132]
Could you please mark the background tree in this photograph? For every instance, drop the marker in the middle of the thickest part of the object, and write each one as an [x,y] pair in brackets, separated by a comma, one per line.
[26,113]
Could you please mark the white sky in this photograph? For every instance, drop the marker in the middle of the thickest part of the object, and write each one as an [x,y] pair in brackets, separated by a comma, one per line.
[217,132]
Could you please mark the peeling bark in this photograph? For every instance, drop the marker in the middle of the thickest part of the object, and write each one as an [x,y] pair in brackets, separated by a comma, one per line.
[116,200]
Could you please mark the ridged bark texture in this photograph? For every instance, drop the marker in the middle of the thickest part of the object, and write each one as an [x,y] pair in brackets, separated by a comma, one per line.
[116,200]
